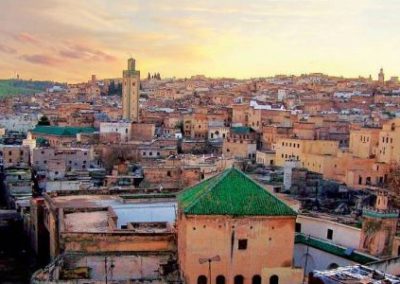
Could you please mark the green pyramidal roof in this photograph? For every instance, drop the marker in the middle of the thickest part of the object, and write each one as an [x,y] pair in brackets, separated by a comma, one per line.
[231,193]
[61,131]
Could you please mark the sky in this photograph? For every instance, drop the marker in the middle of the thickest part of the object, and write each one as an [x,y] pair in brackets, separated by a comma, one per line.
[70,40]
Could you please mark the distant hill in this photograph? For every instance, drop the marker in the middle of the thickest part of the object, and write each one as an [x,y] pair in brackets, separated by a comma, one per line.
[20,87]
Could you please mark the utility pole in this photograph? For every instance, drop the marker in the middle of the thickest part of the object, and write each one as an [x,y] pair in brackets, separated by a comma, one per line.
[209,260]
[105,268]
[305,262]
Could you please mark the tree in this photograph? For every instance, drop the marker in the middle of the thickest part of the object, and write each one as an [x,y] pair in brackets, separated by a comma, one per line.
[44,121]
[115,155]
[148,76]
[393,181]
[393,184]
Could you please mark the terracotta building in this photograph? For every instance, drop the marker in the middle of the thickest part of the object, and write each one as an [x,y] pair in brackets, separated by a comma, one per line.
[228,220]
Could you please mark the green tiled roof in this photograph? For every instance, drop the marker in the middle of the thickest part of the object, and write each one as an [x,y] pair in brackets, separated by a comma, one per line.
[333,249]
[241,130]
[61,131]
[231,193]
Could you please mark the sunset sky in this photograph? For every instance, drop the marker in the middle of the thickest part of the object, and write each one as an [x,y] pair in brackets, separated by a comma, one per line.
[68,40]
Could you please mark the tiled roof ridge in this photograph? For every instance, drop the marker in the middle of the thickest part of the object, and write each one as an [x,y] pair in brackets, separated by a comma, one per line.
[218,179]
[262,188]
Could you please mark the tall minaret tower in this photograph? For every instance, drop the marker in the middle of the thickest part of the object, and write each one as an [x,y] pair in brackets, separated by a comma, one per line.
[130,92]
[379,227]
[381,77]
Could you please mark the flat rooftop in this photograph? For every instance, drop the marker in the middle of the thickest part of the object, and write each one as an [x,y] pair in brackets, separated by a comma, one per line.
[146,210]
[354,274]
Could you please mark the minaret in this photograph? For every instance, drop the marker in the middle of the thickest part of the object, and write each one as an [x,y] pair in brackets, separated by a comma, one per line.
[379,227]
[381,77]
[130,92]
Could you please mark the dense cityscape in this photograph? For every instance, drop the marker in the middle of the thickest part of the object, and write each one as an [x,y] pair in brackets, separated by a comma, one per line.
[153,181]
[142,177]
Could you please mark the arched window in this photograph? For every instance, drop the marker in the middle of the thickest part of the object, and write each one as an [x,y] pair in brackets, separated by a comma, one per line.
[220,279]
[202,279]
[256,279]
[274,279]
[238,279]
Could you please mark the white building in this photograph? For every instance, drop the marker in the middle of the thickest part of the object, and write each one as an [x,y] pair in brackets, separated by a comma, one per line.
[122,128]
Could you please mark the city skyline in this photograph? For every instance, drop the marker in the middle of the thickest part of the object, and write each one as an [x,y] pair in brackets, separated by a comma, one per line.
[69,41]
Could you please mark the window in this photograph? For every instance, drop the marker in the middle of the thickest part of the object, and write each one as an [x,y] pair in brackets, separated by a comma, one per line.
[256,279]
[220,279]
[242,244]
[202,279]
[298,227]
[169,173]
[274,279]
[238,279]
[329,234]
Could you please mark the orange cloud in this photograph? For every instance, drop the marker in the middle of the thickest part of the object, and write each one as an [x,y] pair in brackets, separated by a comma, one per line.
[7,49]
[85,53]
[28,38]
[41,59]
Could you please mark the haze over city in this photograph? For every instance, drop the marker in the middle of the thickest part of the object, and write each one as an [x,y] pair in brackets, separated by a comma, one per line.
[199,142]
[67,40]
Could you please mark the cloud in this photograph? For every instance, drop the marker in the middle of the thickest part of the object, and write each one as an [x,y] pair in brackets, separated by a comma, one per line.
[86,53]
[7,49]
[27,38]
[41,59]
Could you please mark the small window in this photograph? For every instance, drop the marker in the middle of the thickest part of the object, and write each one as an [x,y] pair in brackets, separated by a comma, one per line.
[274,279]
[329,234]
[202,279]
[220,279]
[298,227]
[239,279]
[169,173]
[242,244]
[256,279]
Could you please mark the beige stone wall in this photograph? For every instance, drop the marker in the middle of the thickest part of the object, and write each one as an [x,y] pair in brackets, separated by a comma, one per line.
[364,142]
[143,131]
[236,149]
[116,242]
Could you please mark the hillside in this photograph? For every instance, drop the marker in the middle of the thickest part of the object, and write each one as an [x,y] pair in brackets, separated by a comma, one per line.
[19,87]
